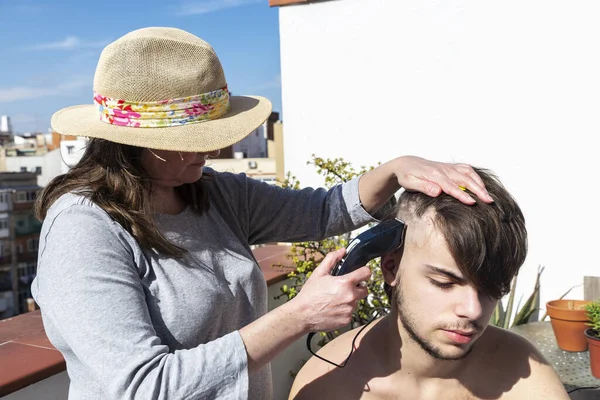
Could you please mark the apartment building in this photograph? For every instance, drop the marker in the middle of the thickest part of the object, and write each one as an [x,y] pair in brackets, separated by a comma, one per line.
[19,238]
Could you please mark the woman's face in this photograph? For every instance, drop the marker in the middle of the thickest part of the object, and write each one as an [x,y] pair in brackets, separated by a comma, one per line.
[174,168]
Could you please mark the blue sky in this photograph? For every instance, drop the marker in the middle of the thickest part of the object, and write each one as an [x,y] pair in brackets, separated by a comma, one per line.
[49,49]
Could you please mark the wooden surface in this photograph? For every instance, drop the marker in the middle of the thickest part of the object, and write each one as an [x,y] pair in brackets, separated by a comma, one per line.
[591,288]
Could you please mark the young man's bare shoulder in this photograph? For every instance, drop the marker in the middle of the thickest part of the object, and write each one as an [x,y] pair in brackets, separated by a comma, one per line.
[318,379]
[516,368]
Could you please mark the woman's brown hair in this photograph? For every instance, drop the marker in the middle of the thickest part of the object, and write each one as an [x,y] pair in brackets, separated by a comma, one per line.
[111,175]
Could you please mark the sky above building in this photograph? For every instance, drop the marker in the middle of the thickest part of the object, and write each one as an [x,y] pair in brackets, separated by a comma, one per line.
[49,49]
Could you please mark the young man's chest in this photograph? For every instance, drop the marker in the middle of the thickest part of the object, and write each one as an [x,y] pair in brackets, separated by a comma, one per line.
[388,389]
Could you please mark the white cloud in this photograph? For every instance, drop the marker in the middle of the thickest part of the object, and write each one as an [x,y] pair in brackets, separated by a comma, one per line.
[208,6]
[22,93]
[31,92]
[69,43]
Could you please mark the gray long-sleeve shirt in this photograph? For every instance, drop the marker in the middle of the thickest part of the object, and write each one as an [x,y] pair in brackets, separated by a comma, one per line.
[134,324]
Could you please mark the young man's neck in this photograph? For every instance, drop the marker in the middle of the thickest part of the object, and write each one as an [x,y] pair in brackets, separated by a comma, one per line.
[415,362]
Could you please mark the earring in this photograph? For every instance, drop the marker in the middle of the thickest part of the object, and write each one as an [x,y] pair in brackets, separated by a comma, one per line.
[157,156]
[180,156]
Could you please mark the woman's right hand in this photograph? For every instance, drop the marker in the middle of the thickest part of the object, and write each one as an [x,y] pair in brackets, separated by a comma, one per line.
[326,302]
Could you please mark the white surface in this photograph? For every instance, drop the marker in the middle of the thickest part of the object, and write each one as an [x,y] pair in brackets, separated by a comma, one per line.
[512,86]
[50,163]
[54,388]
[5,124]
[289,360]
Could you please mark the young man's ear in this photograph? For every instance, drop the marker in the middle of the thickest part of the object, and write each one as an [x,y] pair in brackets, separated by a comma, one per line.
[389,267]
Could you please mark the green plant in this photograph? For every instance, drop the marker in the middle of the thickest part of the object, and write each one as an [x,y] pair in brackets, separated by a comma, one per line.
[593,312]
[502,317]
[306,256]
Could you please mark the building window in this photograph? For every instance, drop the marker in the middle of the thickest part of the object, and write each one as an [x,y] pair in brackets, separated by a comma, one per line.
[19,249]
[28,196]
[23,169]
[25,269]
[31,268]
[3,197]
[38,170]
[70,149]
[4,223]
[32,245]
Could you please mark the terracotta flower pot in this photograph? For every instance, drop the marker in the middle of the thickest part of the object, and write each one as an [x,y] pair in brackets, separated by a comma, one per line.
[569,318]
[594,345]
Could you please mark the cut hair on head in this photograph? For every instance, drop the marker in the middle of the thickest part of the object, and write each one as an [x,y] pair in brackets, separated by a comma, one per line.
[488,242]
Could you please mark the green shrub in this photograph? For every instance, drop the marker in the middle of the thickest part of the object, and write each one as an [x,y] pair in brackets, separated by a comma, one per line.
[306,256]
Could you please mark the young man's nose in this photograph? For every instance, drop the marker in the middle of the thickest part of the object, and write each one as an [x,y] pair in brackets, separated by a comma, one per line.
[469,305]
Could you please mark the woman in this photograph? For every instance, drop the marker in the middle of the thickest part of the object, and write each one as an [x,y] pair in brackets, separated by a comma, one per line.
[146,280]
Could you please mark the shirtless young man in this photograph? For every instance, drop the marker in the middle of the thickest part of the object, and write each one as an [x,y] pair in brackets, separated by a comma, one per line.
[457,261]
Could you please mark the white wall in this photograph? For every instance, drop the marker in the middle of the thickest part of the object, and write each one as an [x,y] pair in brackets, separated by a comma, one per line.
[5,199]
[513,86]
[50,163]
[289,360]
[71,152]
[254,145]
[54,388]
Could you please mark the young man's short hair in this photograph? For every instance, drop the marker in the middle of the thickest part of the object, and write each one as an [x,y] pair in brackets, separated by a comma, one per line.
[487,241]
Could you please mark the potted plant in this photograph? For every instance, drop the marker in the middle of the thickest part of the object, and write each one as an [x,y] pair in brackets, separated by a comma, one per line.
[569,322]
[593,336]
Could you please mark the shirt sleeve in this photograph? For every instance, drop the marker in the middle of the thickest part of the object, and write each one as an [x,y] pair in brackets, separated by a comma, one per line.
[274,214]
[89,290]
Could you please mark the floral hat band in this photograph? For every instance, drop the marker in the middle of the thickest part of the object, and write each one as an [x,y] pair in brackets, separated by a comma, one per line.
[165,113]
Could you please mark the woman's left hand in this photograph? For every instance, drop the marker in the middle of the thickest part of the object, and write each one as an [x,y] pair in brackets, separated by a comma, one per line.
[433,178]
[418,174]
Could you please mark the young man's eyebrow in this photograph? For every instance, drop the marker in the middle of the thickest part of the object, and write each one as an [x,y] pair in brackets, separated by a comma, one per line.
[445,272]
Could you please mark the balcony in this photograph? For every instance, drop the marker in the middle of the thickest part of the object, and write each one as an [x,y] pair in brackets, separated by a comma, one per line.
[31,368]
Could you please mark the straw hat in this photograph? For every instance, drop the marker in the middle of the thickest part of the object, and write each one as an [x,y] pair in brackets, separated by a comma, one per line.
[163,88]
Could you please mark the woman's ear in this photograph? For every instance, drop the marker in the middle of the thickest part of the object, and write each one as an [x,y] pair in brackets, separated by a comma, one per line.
[389,267]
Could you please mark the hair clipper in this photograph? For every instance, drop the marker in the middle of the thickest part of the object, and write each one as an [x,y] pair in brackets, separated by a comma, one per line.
[377,241]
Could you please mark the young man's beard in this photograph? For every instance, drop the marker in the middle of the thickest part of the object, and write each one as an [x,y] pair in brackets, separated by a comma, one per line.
[410,326]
